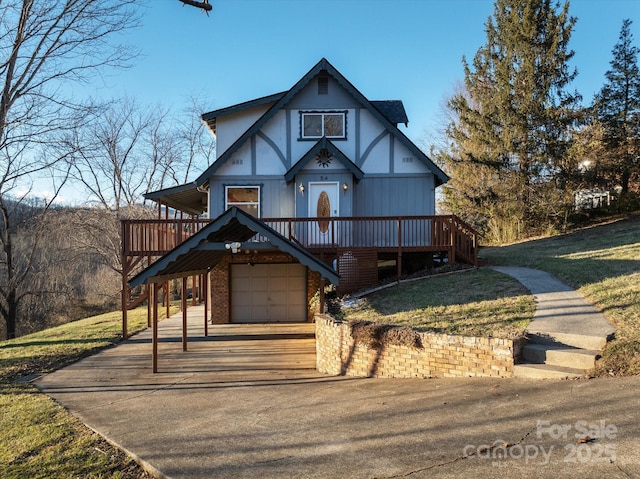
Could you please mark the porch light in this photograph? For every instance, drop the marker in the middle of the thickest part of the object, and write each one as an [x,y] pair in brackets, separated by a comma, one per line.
[234,247]
[301,188]
[345,186]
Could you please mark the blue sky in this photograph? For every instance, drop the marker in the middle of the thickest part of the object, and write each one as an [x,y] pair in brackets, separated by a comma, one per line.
[389,49]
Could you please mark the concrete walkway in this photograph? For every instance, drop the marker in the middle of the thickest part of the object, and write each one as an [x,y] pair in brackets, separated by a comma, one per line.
[560,310]
[566,333]
[246,403]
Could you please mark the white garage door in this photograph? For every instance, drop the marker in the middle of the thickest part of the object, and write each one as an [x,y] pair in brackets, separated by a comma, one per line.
[268,293]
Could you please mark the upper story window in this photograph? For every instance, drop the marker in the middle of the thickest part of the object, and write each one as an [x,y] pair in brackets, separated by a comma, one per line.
[314,125]
[246,198]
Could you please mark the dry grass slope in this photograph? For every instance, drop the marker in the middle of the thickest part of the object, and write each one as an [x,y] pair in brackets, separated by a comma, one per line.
[603,263]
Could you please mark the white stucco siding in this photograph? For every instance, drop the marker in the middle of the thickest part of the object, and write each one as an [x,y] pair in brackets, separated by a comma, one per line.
[239,163]
[271,146]
[230,127]
[370,129]
[268,161]
[406,162]
[276,130]
[377,157]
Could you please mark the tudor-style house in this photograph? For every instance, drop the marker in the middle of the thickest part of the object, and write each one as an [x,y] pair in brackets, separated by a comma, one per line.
[311,185]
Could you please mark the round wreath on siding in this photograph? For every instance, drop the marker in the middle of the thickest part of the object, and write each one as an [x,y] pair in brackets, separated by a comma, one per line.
[376,336]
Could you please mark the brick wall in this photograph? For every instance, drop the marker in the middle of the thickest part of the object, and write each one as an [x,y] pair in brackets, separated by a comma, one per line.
[441,355]
[220,281]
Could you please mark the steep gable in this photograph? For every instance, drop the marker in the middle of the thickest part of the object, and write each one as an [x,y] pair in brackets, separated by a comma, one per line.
[387,114]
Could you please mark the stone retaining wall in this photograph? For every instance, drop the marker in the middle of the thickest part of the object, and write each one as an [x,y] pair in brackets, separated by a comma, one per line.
[441,355]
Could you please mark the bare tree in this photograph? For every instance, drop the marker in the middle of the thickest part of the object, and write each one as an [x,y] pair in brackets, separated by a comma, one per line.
[45,47]
[125,152]
[119,155]
[197,144]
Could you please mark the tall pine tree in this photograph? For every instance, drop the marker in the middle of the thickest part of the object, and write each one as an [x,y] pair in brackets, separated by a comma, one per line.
[617,108]
[511,125]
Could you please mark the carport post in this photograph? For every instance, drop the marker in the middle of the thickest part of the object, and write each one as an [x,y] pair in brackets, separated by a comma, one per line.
[148,292]
[205,297]
[168,298]
[154,330]
[323,282]
[184,313]
[206,302]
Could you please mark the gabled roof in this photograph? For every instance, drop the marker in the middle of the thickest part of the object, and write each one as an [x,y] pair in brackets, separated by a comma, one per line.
[322,65]
[208,247]
[187,198]
[324,144]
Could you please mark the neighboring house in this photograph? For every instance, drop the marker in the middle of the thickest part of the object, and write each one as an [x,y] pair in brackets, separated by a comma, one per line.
[314,183]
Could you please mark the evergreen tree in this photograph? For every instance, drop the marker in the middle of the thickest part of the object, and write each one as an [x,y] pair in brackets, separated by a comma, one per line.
[617,108]
[511,126]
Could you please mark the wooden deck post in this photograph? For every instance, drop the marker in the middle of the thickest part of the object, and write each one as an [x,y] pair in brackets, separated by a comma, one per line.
[125,284]
[124,308]
[399,261]
[148,292]
[154,339]
[184,313]
[452,243]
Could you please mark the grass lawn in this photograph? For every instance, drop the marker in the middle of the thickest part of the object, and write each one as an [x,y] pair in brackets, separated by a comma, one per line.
[471,303]
[39,439]
[603,264]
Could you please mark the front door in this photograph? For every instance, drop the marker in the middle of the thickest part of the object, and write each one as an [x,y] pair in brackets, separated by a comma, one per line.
[323,203]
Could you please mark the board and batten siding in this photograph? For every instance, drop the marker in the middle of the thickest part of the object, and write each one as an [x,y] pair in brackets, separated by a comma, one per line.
[276,197]
[395,196]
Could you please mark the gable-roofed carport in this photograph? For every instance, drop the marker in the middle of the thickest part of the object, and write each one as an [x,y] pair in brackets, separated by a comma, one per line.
[231,232]
[206,248]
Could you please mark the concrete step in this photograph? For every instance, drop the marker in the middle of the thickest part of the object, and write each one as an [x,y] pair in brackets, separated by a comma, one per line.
[559,356]
[545,371]
[582,341]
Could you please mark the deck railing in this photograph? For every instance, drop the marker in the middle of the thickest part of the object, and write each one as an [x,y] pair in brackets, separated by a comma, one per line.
[156,237]
[405,233]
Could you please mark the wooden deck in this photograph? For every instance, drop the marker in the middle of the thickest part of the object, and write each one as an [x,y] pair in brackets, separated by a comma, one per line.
[353,245]
[446,234]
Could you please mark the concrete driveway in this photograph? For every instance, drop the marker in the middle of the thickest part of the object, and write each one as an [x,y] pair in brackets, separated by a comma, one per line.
[247,402]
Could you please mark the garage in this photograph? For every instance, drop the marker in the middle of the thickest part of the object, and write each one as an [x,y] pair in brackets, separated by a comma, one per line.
[268,293]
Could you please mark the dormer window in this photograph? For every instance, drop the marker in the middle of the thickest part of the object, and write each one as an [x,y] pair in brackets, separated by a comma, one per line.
[314,125]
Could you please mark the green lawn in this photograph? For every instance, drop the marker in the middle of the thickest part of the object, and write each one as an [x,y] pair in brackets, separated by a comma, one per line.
[39,439]
[602,263]
[472,303]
